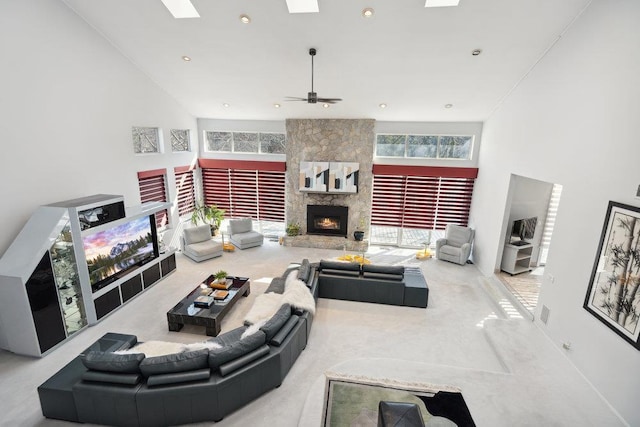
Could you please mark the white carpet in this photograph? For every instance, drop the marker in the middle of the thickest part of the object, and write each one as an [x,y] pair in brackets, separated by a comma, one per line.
[454,341]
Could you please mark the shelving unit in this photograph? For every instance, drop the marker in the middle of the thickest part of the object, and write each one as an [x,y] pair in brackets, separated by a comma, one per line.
[516,259]
[45,290]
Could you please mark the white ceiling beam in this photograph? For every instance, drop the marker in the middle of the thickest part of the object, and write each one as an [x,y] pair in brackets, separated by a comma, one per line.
[181,8]
[441,3]
[303,6]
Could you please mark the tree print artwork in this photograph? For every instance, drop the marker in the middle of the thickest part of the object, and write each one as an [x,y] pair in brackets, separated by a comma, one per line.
[613,295]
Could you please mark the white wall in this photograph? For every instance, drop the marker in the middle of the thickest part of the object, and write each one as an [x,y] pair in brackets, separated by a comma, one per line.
[573,121]
[69,100]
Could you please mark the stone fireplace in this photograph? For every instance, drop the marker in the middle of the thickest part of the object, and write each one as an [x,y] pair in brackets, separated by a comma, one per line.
[329,140]
[327,220]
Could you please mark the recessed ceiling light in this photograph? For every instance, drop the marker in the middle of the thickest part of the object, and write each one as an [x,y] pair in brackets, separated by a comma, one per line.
[448,105]
[276,105]
[476,52]
[186,58]
[245,19]
[325,105]
[225,105]
[368,12]
[383,105]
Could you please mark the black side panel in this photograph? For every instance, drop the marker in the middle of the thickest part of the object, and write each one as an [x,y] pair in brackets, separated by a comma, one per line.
[131,288]
[45,307]
[151,275]
[107,303]
[168,264]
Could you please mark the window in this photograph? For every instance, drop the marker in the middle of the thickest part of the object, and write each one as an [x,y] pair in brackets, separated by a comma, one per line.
[185,190]
[245,142]
[424,146]
[416,197]
[245,188]
[180,140]
[146,140]
[152,184]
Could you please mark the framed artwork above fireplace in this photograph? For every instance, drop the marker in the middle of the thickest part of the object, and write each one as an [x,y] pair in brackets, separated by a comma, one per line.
[329,177]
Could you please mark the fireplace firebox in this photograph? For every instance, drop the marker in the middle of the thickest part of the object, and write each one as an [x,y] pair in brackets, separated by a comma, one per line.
[327,220]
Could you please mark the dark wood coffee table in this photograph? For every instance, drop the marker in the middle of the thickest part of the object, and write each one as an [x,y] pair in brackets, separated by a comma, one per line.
[186,313]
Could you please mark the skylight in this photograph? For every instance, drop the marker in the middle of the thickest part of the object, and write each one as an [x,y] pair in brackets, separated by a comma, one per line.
[441,3]
[303,6]
[181,8]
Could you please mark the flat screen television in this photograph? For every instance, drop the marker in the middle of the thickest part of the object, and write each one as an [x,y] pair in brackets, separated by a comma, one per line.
[524,228]
[112,252]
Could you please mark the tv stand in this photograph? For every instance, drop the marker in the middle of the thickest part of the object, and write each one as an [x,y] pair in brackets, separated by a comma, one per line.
[516,257]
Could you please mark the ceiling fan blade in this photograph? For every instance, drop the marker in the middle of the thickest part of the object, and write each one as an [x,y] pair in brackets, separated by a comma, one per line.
[295,98]
[329,100]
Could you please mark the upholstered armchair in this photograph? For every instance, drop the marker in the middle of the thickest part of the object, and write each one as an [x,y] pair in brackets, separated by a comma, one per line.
[198,245]
[242,234]
[456,245]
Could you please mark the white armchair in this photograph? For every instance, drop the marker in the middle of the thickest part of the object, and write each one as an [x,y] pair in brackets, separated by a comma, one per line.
[456,245]
[198,245]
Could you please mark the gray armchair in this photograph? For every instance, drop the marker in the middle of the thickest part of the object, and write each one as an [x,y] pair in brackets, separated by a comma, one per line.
[242,234]
[456,245]
[198,245]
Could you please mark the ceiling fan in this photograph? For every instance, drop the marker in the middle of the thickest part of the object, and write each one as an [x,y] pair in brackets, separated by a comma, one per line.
[312,97]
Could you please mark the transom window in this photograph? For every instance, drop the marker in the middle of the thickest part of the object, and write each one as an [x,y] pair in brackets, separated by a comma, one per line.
[180,140]
[424,146]
[245,142]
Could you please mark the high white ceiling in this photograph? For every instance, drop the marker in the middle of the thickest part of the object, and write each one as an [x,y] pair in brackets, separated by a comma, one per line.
[412,58]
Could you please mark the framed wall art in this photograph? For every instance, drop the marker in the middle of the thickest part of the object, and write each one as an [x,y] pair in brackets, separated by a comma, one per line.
[613,296]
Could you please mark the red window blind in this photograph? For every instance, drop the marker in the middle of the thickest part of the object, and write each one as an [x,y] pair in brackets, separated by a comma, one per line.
[185,189]
[245,188]
[152,184]
[421,197]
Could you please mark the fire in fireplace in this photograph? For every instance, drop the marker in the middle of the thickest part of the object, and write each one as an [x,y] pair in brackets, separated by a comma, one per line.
[327,220]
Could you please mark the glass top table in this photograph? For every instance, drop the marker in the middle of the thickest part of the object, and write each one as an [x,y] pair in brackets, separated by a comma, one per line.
[189,312]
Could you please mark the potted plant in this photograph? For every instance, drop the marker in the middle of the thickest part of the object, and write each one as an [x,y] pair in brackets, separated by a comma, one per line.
[207,214]
[221,276]
[293,229]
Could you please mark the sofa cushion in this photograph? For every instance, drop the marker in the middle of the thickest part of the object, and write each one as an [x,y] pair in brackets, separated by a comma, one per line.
[273,325]
[350,273]
[276,285]
[283,333]
[232,346]
[110,362]
[241,225]
[337,265]
[383,276]
[388,269]
[178,362]
[111,377]
[197,234]
[179,377]
[304,270]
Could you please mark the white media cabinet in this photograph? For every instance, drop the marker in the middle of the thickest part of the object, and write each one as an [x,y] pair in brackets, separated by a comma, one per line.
[45,290]
[516,259]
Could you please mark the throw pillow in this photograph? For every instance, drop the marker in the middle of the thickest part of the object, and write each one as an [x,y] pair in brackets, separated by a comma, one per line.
[304,270]
[273,325]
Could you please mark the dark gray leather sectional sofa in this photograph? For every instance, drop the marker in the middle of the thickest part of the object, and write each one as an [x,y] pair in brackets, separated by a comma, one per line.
[381,284]
[101,387]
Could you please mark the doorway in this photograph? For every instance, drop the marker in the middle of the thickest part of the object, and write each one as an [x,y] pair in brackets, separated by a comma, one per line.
[529,201]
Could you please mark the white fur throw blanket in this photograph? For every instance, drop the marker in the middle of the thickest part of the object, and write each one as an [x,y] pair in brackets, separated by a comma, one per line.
[265,306]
